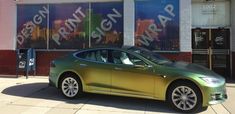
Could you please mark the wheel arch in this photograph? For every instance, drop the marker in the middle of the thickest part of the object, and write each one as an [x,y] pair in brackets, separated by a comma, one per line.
[62,74]
[182,80]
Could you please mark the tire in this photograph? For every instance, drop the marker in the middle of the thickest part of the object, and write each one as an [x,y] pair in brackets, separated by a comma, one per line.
[185,97]
[71,86]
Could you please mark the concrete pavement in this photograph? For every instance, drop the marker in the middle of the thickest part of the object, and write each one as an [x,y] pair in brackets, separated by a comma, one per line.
[34,96]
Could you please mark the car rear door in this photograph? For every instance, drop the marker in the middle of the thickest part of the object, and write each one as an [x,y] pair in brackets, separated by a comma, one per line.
[95,70]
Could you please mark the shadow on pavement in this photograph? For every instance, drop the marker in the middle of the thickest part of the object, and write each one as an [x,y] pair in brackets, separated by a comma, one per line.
[43,91]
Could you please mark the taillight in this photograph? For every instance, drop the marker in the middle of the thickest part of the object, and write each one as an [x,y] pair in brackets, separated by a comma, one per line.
[52,64]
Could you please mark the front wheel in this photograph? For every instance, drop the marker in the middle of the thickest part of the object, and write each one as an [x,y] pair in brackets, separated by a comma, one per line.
[185,97]
[71,86]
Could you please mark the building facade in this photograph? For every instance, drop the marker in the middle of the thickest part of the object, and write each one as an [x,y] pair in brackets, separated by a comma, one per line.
[198,31]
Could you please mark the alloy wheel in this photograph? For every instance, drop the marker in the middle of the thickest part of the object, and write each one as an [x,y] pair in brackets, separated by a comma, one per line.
[70,87]
[184,98]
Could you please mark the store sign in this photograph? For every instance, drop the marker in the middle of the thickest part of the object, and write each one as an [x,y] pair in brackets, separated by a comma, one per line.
[208,8]
[211,14]
[157,24]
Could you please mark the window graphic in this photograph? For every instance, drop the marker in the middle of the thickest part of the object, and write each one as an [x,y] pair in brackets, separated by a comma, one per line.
[157,24]
[32,26]
[69,25]
[106,24]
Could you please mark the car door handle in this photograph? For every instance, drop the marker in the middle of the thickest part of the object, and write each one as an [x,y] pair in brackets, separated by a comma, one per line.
[83,65]
[117,68]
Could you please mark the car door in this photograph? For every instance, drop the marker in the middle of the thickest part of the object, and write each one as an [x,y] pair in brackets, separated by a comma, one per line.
[130,75]
[94,68]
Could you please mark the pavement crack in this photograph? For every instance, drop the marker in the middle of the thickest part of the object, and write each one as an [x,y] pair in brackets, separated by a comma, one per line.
[83,105]
[213,110]
[226,108]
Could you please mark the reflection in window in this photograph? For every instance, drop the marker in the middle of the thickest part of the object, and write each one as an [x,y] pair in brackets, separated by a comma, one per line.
[201,60]
[219,61]
[98,56]
[200,39]
[125,58]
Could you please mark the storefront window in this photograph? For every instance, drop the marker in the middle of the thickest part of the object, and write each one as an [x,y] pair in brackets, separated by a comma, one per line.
[70,25]
[157,24]
[67,26]
[106,24]
[32,26]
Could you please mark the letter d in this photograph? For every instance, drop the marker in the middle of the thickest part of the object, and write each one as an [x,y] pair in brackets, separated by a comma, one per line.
[20,39]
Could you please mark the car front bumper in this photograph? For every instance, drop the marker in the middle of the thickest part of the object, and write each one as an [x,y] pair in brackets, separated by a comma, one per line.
[214,95]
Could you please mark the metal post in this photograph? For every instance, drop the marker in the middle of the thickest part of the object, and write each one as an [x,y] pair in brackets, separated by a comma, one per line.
[27,63]
[17,63]
[210,51]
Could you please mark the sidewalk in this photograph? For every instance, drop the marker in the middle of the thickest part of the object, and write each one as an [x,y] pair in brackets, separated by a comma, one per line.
[230,103]
[34,96]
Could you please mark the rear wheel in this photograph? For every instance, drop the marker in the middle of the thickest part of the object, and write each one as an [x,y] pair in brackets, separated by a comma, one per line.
[185,97]
[71,86]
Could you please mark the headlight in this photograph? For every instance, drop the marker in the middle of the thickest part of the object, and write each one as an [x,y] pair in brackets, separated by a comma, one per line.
[210,80]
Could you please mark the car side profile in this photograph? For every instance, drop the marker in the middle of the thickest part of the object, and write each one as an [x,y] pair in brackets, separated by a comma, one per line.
[137,72]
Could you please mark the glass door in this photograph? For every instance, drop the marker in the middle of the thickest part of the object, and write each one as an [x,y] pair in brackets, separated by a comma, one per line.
[200,45]
[211,49]
[220,51]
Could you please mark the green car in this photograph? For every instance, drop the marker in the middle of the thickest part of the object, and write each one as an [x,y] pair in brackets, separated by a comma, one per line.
[137,72]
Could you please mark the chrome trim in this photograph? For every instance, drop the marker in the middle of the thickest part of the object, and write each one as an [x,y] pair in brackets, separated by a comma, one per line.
[220,51]
[200,51]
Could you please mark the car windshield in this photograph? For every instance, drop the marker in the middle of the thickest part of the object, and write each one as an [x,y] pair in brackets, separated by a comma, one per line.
[156,58]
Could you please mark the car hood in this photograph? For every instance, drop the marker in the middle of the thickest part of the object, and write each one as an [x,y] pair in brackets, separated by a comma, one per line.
[193,68]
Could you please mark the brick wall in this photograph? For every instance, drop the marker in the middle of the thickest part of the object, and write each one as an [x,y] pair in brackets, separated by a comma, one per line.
[43,59]
[182,56]
[7,62]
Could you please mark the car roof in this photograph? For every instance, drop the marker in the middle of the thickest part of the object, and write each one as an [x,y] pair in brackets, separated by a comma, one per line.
[106,47]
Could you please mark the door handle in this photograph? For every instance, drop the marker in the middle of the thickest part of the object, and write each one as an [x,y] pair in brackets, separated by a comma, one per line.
[83,65]
[117,68]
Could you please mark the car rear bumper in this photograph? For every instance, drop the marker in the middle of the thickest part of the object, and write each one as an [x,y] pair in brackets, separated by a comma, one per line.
[51,83]
[52,79]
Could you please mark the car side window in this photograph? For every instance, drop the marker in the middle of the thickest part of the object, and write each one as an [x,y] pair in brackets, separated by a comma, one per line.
[97,55]
[119,57]
[102,56]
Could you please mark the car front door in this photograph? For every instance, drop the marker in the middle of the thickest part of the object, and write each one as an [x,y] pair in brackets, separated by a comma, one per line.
[95,69]
[131,75]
